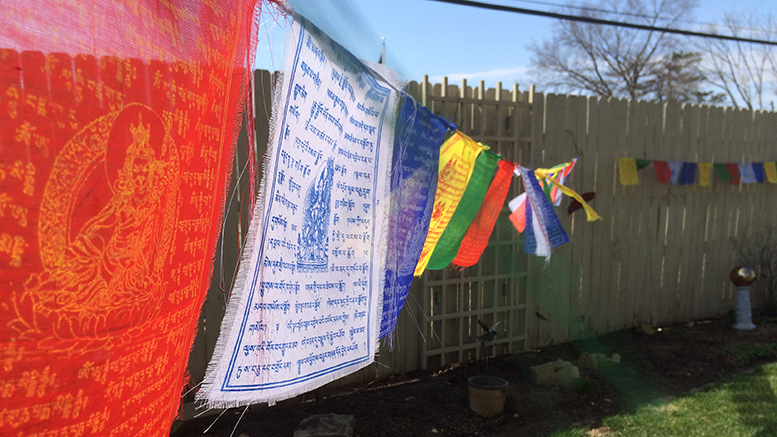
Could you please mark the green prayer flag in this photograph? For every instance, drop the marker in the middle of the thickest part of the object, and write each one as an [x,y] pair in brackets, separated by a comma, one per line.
[642,163]
[546,189]
[722,172]
[448,245]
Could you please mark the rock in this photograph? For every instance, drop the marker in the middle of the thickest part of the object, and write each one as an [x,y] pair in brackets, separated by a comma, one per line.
[557,372]
[326,425]
[597,361]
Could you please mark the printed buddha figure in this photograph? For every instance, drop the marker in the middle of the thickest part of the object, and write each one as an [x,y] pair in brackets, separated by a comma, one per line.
[313,240]
[109,276]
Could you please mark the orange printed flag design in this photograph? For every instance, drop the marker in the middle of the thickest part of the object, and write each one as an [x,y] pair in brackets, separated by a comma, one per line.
[117,126]
[457,160]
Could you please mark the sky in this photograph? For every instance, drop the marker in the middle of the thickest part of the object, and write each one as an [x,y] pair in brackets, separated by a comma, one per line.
[425,37]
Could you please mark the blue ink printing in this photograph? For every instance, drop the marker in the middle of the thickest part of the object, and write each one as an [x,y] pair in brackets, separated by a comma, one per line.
[313,241]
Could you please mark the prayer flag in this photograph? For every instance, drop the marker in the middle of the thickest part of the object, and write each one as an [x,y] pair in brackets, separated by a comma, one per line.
[642,163]
[543,228]
[733,170]
[663,173]
[549,177]
[758,171]
[591,215]
[746,170]
[770,168]
[688,173]
[304,310]
[457,161]
[559,174]
[704,174]
[476,238]
[676,168]
[518,208]
[417,140]
[575,204]
[628,171]
[723,172]
[448,245]
[534,242]
[118,127]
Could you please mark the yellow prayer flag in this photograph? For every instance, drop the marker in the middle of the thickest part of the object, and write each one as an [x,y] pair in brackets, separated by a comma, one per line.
[628,171]
[457,160]
[771,171]
[591,215]
[704,173]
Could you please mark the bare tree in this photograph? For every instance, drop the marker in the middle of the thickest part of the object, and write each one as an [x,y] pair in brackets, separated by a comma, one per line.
[678,78]
[611,61]
[745,72]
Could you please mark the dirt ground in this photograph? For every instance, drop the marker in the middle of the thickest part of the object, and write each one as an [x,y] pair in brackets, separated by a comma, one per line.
[656,367]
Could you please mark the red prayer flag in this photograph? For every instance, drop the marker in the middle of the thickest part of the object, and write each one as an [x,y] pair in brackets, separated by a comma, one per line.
[518,218]
[479,231]
[663,172]
[117,127]
[733,169]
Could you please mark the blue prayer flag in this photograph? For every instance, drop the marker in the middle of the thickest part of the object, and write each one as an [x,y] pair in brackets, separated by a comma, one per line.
[758,170]
[417,140]
[688,173]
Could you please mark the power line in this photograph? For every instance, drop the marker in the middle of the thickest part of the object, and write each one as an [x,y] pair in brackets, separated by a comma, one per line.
[592,9]
[591,20]
[631,14]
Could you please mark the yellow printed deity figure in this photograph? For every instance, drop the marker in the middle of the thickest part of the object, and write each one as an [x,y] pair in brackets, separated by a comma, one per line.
[103,262]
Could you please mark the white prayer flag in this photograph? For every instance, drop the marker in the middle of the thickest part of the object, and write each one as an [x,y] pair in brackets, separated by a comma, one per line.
[304,310]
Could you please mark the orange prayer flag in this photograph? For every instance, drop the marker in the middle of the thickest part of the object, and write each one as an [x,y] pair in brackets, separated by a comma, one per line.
[479,231]
[118,127]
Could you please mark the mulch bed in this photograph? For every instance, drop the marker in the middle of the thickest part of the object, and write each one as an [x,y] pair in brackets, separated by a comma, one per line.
[674,361]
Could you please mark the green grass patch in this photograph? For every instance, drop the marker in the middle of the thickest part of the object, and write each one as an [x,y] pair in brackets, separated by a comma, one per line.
[743,406]
[744,353]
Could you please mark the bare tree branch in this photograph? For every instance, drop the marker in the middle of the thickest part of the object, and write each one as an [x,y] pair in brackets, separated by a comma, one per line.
[617,61]
[742,72]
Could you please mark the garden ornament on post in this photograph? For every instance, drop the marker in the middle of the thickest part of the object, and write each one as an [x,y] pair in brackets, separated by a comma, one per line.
[742,277]
[490,334]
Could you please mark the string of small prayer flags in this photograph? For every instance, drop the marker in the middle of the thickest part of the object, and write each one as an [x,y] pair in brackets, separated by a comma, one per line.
[532,211]
[471,188]
[684,173]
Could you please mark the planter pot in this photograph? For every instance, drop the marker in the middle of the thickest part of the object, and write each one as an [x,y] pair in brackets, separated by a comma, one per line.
[487,395]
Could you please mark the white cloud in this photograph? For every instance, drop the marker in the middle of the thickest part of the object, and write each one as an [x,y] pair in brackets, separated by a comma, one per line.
[509,75]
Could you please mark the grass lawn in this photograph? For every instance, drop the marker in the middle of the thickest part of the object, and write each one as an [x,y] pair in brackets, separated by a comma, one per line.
[743,406]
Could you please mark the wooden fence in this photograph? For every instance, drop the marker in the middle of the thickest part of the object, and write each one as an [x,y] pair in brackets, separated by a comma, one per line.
[661,253]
